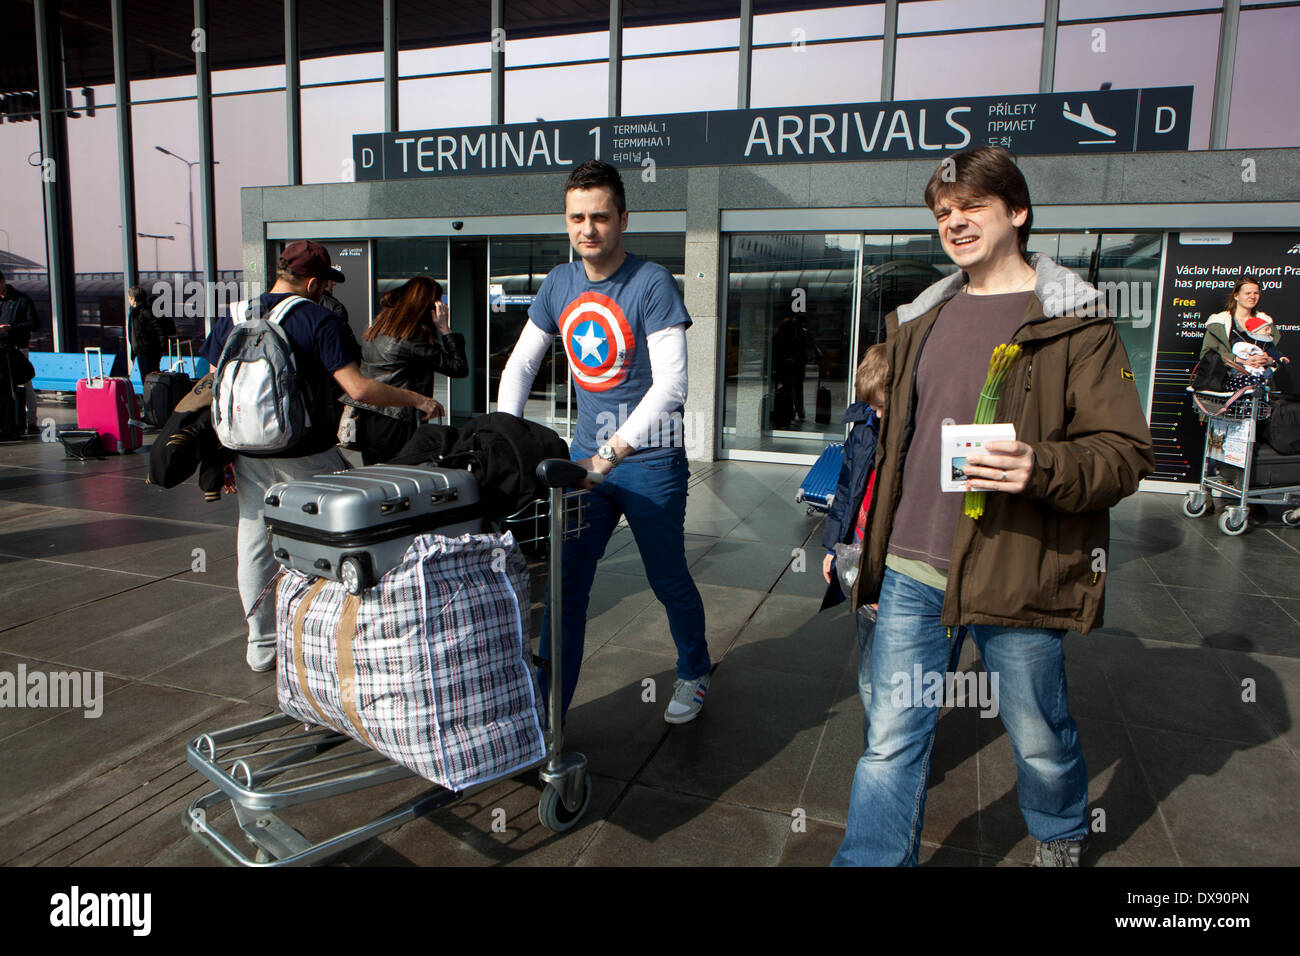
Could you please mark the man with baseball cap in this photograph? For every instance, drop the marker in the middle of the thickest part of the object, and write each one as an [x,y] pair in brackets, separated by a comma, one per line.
[323,353]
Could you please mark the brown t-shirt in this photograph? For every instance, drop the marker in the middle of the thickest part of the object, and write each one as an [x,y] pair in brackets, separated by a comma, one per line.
[952,370]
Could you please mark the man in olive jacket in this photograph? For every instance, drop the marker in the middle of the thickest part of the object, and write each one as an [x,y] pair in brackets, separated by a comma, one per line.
[1033,566]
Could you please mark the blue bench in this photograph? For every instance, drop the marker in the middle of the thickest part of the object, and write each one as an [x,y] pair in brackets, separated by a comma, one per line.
[60,371]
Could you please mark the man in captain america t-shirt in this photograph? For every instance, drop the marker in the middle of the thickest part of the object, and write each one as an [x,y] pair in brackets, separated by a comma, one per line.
[623,326]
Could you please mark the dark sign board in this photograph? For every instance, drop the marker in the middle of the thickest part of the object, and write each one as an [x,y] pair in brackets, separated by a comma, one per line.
[1110,121]
[1200,272]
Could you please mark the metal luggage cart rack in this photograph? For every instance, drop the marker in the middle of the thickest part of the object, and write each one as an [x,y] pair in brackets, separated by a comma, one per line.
[278,762]
[1234,416]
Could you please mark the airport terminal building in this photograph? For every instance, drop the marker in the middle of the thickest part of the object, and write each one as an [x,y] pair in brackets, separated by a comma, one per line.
[775,155]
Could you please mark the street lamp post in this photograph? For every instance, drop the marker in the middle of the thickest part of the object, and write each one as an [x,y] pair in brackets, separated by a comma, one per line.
[155,238]
[189,205]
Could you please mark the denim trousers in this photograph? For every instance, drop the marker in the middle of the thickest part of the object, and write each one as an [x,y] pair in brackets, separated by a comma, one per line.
[887,804]
[256,563]
[651,493]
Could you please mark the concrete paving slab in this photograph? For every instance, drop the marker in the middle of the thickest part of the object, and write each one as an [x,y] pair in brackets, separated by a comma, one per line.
[52,759]
[1225,805]
[653,827]
[1170,687]
[726,610]
[753,743]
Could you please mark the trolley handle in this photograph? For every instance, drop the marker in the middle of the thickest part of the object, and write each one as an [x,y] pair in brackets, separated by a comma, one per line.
[561,473]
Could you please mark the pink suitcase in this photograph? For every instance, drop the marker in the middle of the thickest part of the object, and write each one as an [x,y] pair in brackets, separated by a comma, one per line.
[108,405]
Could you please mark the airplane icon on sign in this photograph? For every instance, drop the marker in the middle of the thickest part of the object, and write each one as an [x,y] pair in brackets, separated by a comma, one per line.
[1084,118]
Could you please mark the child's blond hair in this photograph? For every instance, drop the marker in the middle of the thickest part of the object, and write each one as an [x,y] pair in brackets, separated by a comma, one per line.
[871,381]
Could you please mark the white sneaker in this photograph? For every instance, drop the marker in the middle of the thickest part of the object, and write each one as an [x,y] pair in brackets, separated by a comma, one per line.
[688,698]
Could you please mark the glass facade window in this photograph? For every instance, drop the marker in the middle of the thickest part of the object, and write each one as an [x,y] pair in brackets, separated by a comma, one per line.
[1129,54]
[165,185]
[1089,9]
[924,16]
[438,102]
[807,25]
[535,51]
[330,115]
[248,80]
[680,84]
[557,92]
[236,121]
[445,59]
[1265,110]
[342,69]
[681,37]
[968,64]
[810,75]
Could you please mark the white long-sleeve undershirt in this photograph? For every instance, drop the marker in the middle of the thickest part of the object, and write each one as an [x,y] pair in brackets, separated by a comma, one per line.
[667,393]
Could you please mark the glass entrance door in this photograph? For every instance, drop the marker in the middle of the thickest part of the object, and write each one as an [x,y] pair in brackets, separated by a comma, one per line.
[790,304]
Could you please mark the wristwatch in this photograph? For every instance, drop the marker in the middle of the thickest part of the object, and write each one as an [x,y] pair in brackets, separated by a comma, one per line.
[607,452]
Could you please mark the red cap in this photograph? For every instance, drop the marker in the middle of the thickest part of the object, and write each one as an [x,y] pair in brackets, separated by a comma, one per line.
[309,260]
[1258,327]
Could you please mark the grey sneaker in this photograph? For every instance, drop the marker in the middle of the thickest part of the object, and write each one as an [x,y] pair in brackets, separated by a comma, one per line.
[1059,853]
[688,698]
[260,659]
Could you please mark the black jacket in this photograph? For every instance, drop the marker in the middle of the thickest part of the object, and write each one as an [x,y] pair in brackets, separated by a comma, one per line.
[409,363]
[17,312]
[149,332]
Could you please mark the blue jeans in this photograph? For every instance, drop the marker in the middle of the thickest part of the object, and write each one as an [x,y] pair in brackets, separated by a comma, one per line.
[651,493]
[866,626]
[887,804]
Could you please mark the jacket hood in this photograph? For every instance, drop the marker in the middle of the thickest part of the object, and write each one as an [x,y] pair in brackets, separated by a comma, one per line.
[857,412]
[1061,292]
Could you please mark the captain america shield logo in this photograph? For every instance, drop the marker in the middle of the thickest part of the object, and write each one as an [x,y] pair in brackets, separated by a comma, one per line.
[598,339]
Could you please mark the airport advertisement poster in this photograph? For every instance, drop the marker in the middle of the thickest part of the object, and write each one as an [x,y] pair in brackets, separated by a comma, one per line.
[1201,269]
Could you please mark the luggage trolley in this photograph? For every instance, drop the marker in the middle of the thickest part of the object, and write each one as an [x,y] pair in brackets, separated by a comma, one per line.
[1232,420]
[277,762]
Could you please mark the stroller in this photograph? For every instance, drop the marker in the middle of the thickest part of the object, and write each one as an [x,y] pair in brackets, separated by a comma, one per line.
[269,765]
[1237,466]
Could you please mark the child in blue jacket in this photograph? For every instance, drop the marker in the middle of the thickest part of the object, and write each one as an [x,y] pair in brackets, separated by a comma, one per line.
[846,519]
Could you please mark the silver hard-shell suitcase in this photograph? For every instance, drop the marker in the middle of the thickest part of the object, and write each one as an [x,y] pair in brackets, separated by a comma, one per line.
[355,526]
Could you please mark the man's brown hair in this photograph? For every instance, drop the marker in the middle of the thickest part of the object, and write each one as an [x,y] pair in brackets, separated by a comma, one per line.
[985,171]
[871,380]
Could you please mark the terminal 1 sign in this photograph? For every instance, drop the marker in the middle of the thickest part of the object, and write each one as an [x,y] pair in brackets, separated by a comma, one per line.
[1106,121]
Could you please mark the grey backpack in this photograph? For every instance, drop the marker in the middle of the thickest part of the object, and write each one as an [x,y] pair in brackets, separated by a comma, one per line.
[258,404]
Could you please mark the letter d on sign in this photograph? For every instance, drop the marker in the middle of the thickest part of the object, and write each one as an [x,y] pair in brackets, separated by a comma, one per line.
[367,157]
[1163,113]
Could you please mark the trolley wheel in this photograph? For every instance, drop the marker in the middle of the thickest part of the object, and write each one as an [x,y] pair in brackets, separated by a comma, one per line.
[1291,518]
[1196,504]
[810,511]
[1228,526]
[554,815]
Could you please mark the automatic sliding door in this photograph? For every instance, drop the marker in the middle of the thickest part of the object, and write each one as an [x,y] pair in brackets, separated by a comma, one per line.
[788,349]
[516,268]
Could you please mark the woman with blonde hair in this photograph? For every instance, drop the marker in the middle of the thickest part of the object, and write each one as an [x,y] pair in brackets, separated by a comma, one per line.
[409,342]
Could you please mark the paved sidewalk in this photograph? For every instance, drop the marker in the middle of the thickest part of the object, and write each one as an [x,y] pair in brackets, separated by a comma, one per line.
[1184,700]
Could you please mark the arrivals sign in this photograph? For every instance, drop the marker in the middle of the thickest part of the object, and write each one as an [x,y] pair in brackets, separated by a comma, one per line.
[1109,121]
